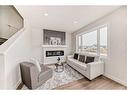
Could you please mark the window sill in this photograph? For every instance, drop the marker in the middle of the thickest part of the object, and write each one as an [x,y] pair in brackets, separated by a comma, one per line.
[104,56]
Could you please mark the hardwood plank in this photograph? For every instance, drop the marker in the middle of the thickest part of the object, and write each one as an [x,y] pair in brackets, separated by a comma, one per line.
[100,83]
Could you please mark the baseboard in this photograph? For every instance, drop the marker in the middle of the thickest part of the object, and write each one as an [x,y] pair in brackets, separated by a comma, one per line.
[116,79]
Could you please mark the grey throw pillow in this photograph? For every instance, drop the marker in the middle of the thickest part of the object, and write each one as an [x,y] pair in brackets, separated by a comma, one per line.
[75,56]
[89,59]
[82,58]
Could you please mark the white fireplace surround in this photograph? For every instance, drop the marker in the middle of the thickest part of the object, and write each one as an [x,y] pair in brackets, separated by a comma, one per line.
[53,59]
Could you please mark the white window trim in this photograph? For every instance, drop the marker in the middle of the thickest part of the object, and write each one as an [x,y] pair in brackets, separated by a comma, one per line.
[98,38]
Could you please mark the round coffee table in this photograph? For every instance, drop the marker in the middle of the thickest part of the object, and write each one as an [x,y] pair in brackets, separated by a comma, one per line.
[59,67]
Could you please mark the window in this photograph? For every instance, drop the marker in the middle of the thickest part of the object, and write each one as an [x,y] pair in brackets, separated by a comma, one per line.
[89,42]
[103,40]
[94,41]
[79,44]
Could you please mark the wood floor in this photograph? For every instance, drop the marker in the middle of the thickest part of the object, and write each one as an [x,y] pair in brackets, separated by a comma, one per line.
[100,83]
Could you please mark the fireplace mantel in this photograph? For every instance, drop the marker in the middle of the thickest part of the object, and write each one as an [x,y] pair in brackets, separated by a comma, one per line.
[54,46]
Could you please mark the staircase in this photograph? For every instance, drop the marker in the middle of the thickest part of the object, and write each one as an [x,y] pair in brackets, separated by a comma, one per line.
[2,40]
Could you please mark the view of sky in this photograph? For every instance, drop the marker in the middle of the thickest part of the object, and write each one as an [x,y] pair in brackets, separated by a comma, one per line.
[91,38]
[103,36]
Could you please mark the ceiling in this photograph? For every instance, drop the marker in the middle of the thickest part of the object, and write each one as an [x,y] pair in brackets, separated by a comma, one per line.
[63,18]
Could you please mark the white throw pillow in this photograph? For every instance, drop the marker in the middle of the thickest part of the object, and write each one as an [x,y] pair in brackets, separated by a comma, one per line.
[37,64]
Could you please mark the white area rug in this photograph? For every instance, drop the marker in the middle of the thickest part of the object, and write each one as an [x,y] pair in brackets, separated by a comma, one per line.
[58,79]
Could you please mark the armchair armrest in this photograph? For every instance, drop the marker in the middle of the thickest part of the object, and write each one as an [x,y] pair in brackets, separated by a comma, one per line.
[95,69]
[29,73]
[34,75]
[95,63]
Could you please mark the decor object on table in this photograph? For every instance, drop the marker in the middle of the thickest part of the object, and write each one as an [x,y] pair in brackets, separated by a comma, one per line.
[59,65]
[58,59]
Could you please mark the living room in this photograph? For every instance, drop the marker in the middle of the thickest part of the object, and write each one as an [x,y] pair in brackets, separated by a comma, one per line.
[66,47]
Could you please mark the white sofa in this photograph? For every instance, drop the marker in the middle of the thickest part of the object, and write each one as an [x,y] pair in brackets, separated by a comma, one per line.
[89,70]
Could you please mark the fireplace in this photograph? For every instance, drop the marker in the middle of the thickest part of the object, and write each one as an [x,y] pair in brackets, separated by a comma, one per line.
[54,46]
[54,53]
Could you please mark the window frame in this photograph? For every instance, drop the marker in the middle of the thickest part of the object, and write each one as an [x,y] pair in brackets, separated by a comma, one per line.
[98,39]
[85,40]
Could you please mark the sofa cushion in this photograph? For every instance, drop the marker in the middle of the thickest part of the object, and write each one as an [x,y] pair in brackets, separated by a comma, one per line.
[89,59]
[81,66]
[91,55]
[73,60]
[45,73]
[82,58]
[77,64]
[75,56]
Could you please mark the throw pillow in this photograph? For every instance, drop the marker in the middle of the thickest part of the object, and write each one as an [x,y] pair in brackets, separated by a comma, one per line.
[75,56]
[89,59]
[37,64]
[82,58]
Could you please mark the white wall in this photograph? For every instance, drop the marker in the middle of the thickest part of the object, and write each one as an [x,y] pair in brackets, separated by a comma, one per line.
[68,42]
[1,25]
[18,52]
[15,50]
[2,72]
[115,67]
[36,43]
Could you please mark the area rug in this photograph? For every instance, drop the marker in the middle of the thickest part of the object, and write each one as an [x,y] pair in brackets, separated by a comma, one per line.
[58,79]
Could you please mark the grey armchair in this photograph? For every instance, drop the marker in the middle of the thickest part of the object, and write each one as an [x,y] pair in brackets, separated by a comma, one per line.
[31,76]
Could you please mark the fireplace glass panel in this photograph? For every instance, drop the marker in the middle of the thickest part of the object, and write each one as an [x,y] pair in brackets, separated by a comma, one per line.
[54,53]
